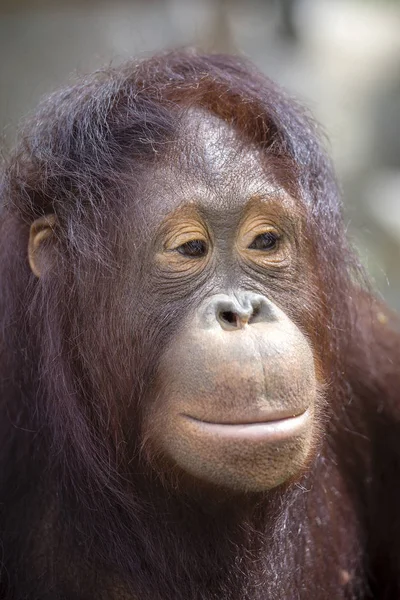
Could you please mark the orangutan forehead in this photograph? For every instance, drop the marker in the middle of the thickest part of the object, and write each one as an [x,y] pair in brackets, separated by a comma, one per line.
[209,144]
[213,165]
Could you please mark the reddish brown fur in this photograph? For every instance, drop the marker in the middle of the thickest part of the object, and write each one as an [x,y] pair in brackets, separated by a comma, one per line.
[82,514]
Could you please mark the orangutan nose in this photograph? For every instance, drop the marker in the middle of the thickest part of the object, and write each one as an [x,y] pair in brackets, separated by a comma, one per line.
[234,312]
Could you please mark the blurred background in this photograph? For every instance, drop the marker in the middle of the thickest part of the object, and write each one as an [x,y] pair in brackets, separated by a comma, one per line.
[341,58]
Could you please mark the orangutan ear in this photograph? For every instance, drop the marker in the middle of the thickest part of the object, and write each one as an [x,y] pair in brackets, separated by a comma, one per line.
[38,248]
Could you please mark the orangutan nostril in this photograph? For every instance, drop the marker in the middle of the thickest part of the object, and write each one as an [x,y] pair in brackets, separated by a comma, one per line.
[229,317]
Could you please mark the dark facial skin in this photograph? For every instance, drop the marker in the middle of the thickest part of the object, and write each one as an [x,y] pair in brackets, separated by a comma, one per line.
[234,397]
[236,389]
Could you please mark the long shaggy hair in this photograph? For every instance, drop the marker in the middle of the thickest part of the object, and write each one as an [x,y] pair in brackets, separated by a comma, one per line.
[82,513]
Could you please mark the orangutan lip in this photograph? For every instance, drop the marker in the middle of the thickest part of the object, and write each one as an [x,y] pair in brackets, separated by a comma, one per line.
[254,420]
[274,429]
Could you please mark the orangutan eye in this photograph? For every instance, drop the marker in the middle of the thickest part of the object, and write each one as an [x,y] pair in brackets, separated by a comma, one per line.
[194,248]
[265,241]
